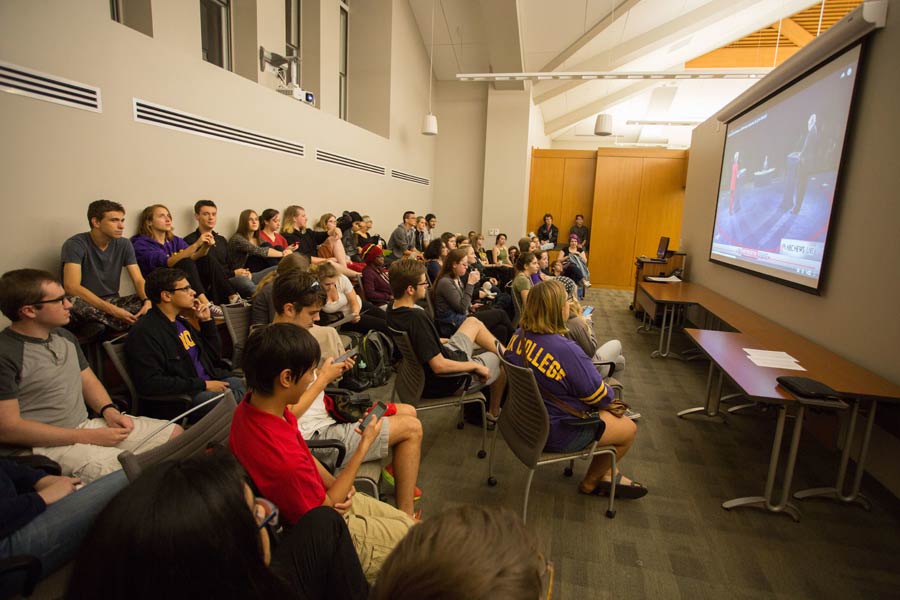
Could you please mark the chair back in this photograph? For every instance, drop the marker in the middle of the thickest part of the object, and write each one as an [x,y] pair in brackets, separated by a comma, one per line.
[237,321]
[524,422]
[115,350]
[209,431]
[517,304]
[410,380]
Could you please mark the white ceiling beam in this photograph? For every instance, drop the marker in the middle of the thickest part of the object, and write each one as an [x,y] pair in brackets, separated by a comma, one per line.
[504,41]
[583,112]
[651,41]
[602,25]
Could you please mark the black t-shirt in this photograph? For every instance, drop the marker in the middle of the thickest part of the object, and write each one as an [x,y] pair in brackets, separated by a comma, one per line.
[427,344]
[219,251]
[307,242]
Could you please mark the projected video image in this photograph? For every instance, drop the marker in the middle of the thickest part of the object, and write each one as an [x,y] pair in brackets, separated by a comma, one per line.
[778,176]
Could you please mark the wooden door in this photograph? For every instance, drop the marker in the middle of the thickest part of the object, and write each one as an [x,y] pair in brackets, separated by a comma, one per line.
[661,205]
[577,195]
[617,193]
[545,194]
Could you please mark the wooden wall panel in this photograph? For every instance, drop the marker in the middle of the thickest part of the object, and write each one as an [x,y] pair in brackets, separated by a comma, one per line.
[577,196]
[617,193]
[545,192]
[661,205]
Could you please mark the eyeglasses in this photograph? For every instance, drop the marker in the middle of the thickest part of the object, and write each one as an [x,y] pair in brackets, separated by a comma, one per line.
[62,300]
[425,283]
[265,512]
[185,288]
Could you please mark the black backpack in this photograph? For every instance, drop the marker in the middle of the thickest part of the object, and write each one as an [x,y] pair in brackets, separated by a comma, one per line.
[373,365]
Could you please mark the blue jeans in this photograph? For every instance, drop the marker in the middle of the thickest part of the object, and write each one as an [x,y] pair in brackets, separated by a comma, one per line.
[55,535]
[235,384]
[247,287]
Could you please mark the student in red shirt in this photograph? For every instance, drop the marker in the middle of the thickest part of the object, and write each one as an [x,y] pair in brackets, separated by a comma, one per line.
[269,224]
[280,370]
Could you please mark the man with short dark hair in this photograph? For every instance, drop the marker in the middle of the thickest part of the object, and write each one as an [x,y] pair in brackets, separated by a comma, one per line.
[166,355]
[582,231]
[410,284]
[45,382]
[403,241]
[430,228]
[92,264]
[298,299]
[221,280]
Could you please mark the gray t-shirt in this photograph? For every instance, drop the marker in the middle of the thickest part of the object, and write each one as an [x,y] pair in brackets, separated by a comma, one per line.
[401,240]
[101,270]
[44,376]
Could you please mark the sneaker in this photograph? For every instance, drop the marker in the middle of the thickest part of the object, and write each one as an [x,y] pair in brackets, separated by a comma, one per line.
[216,311]
[387,474]
[586,283]
[632,414]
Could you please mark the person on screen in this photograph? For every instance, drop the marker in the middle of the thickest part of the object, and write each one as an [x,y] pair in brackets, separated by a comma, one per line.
[807,158]
[734,200]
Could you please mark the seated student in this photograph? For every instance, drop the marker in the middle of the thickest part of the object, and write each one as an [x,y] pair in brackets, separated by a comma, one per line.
[349,223]
[92,265]
[513,255]
[268,235]
[526,266]
[308,241]
[575,263]
[343,301]
[471,552]
[569,385]
[581,331]
[45,382]
[262,311]
[281,372]
[420,234]
[547,233]
[490,287]
[155,246]
[245,251]
[434,255]
[454,297]
[449,240]
[581,231]
[45,516]
[332,248]
[215,264]
[409,284]
[298,301]
[192,529]
[402,243]
[500,253]
[166,355]
[375,277]
[365,236]
[543,273]
[431,234]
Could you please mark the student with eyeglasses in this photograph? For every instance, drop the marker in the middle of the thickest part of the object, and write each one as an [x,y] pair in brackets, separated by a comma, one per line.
[194,529]
[46,386]
[167,355]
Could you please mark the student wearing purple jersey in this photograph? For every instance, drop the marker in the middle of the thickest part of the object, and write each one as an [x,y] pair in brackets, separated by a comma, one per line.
[167,355]
[565,374]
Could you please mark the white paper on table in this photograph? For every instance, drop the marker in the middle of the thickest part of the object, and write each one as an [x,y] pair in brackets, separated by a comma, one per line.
[790,365]
[769,354]
[669,279]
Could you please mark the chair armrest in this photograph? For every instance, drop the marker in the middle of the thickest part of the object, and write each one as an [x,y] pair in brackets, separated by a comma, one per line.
[334,444]
[606,363]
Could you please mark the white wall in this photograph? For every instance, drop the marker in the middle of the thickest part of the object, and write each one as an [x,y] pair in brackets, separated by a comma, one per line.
[57,159]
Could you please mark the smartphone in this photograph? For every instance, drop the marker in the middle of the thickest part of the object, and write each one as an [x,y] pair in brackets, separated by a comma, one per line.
[348,354]
[377,411]
[587,310]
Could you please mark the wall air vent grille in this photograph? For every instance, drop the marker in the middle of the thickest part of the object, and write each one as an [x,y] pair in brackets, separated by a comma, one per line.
[345,161]
[408,177]
[34,84]
[170,118]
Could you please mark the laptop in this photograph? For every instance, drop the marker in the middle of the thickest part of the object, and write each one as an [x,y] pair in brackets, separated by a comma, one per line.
[663,248]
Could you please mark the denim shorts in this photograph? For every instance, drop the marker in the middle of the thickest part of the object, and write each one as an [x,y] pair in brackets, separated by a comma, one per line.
[584,436]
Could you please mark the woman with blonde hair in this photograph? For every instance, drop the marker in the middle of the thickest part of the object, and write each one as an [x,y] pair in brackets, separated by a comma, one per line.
[155,246]
[342,301]
[571,387]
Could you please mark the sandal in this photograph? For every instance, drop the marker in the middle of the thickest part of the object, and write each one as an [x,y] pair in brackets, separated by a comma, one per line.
[491,420]
[630,491]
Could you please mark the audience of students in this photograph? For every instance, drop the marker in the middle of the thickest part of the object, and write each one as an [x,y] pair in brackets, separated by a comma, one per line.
[92,264]
[409,285]
[401,431]
[46,386]
[570,385]
[193,529]
[375,281]
[281,374]
[167,355]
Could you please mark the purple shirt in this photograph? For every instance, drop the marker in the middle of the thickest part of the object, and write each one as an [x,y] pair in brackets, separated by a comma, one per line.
[561,368]
[188,342]
[152,255]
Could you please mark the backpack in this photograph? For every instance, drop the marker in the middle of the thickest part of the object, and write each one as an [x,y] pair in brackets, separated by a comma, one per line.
[373,365]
